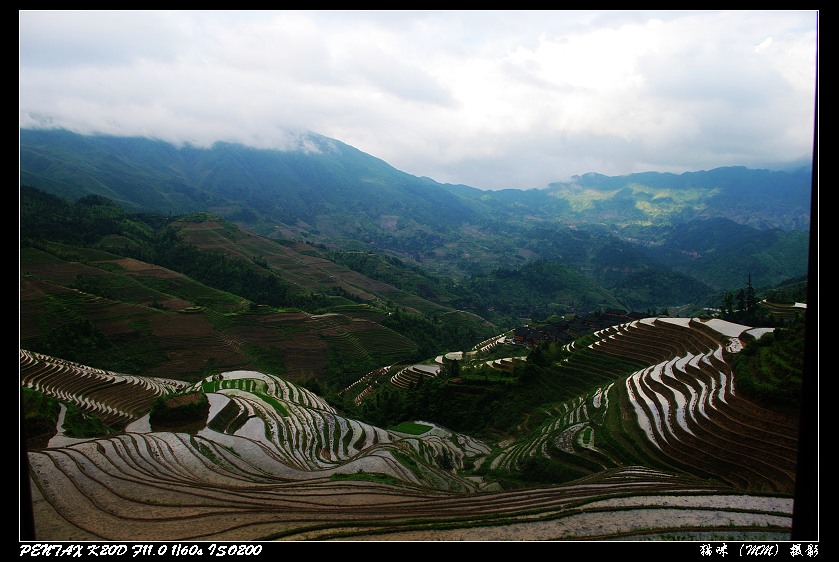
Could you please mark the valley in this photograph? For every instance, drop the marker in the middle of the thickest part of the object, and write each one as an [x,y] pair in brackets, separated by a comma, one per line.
[327,349]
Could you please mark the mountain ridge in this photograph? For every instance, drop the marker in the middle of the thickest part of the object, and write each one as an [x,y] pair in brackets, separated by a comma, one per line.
[356,167]
[342,198]
[639,416]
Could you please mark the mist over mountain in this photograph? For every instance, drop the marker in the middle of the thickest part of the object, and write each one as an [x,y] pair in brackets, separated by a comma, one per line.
[316,325]
[696,233]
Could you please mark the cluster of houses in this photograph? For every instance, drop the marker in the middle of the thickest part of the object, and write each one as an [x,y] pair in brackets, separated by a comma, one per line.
[571,327]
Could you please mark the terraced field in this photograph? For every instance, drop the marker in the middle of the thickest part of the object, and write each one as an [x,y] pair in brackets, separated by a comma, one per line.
[163,323]
[669,450]
[298,263]
[681,412]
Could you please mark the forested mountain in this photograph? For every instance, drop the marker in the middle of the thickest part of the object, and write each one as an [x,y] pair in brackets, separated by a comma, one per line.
[208,276]
[759,198]
[185,296]
[644,241]
[197,320]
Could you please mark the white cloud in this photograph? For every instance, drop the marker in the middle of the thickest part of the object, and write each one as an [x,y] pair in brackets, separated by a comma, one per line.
[489,99]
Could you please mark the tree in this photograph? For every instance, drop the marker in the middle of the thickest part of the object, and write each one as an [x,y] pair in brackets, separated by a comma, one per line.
[750,300]
[741,301]
[728,304]
[452,367]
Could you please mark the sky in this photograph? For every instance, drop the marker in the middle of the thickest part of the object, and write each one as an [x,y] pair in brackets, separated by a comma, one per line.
[489,99]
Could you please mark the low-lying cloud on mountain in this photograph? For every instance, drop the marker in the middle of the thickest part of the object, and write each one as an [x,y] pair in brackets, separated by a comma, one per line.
[491,99]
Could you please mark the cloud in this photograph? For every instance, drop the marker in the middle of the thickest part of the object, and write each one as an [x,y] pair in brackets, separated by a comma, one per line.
[485,98]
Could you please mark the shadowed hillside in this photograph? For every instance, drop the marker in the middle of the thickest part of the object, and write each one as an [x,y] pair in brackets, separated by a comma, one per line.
[622,232]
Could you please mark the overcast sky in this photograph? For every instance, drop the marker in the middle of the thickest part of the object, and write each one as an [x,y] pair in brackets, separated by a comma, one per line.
[490,99]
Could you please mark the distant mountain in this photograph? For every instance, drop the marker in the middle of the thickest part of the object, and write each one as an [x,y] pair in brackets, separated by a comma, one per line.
[326,176]
[759,198]
[620,232]
[209,337]
[299,188]
[718,248]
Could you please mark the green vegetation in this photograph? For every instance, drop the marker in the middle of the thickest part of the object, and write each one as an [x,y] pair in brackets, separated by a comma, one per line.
[436,334]
[39,413]
[350,202]
[411,427]
[536,290]
[362,476]
[770,369]
[536,470]
[69,333]
[375,273]
[789,292]
[232,293]
[75,339]
[257,388]
[205,450]
[81,423]
[484,374]
[45,219]
[209,279]
[174,409]
[392,270]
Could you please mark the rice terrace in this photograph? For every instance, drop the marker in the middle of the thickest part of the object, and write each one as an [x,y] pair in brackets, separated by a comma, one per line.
[426,276]
[668,450]
[232,344]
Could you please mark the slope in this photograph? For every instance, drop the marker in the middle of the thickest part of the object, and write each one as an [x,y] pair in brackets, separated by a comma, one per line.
[275,461]
[329,193]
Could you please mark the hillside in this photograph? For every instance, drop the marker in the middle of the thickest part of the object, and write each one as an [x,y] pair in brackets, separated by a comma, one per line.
[618,232]
[761,198]
[185,297]
[236,344]
[618,411]
[670,450]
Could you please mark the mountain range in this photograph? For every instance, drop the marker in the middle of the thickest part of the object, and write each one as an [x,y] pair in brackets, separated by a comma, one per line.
[228,343]
[697,234]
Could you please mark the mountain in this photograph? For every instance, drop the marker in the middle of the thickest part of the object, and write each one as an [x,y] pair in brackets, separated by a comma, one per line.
[324,179]
[184,378]
[760,198]
[198,293]
[617,232]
